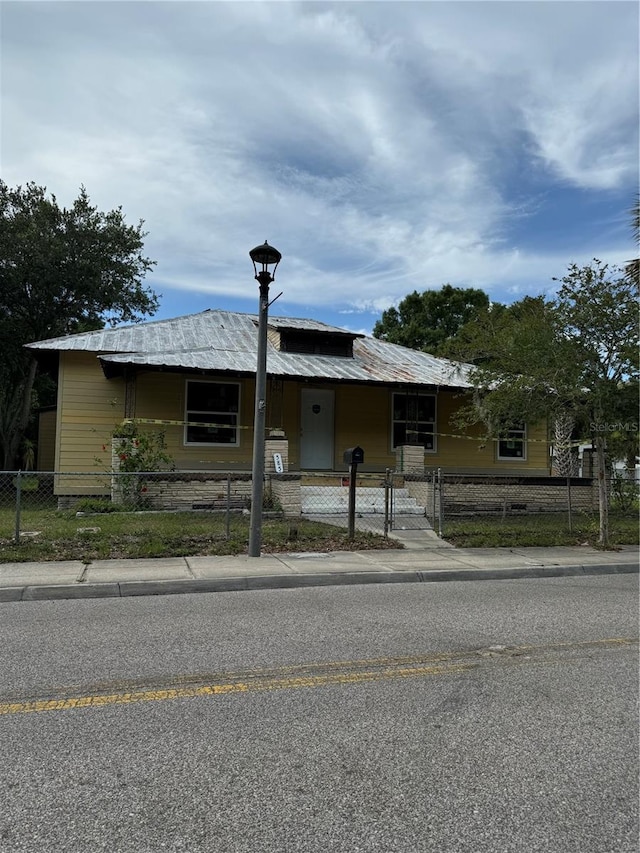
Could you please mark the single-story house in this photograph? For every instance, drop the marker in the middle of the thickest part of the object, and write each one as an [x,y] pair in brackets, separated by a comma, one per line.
[328,389]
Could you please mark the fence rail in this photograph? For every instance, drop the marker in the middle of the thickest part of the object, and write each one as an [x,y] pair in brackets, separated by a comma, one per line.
[458,496]
[25,495]
[383,502]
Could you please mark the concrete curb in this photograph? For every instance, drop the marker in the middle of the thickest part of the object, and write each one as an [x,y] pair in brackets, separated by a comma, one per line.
[126,589]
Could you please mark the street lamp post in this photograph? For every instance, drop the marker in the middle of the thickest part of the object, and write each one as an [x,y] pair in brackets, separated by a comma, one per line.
[263,257]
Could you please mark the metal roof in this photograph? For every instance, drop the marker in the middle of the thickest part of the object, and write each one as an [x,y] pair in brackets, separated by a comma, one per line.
[292,323]
[225,341]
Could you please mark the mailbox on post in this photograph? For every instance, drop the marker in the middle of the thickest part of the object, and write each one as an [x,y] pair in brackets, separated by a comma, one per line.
[353,456]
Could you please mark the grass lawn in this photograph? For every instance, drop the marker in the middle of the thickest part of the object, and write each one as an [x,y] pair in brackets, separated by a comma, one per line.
[539,530]
[53,535]
[49,534]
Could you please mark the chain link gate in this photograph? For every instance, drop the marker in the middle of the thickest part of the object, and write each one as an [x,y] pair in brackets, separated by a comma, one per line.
[410,501]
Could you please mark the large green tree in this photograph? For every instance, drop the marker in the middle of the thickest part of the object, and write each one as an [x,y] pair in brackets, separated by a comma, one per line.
[598,309]
[574,358]
[62,270]
[525,371]
[427,321]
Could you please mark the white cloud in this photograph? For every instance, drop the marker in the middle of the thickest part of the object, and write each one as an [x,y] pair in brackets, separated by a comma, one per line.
[382,144]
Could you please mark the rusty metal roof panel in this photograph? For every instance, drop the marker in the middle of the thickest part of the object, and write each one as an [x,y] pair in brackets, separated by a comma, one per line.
[293,323]
[393,363]
[224,341]
[370,363]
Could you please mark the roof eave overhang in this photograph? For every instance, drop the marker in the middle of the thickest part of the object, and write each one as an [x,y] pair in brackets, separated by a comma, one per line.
[118,369]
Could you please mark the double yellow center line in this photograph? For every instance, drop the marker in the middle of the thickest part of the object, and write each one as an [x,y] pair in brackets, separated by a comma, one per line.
[292,677]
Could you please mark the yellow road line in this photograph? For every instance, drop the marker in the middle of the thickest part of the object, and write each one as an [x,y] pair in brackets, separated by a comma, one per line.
[295,676]
[124,698]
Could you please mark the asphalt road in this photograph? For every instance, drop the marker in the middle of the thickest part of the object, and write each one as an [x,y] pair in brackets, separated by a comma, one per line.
[476,716]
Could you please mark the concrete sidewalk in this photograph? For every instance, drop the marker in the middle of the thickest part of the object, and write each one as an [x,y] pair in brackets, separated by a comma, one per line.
[417,562]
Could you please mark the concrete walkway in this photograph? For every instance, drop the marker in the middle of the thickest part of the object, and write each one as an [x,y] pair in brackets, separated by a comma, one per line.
[424,558]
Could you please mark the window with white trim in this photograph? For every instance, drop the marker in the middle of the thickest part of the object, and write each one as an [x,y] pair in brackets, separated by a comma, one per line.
[413,419]
[513,444]
[212,413]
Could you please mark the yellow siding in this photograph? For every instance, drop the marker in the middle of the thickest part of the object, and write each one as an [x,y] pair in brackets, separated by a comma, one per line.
[162,396]
[363,417]
[291,421]
[471,453]
[89,406]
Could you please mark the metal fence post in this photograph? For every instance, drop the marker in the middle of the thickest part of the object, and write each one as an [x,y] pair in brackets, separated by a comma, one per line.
[353,473]
[441,505]
[18,503]
[433,499]
[569,512]
[387,487]
[228,514]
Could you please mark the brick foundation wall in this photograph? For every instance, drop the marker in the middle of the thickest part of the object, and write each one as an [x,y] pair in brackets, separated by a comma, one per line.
[421,490]
[182,491]
[286,490]
[275,445]
[410,458]
[527,495]
[500,498]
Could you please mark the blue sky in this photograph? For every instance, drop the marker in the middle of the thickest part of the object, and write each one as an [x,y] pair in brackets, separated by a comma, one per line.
[382,147]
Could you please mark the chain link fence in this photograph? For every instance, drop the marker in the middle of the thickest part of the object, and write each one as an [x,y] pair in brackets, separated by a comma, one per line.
[27,498]
[383,502]
[23,494]
[448,497]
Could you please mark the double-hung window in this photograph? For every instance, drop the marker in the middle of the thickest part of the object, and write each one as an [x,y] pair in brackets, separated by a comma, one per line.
[414,419]
[212,413]
[513,444]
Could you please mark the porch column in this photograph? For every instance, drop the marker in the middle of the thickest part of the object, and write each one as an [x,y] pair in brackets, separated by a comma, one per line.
[410,459]
[276,442]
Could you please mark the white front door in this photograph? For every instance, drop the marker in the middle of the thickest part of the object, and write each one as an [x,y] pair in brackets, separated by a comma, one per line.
[316,429]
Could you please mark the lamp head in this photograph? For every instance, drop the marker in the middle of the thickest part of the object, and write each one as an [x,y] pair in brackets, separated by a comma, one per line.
[263,257]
